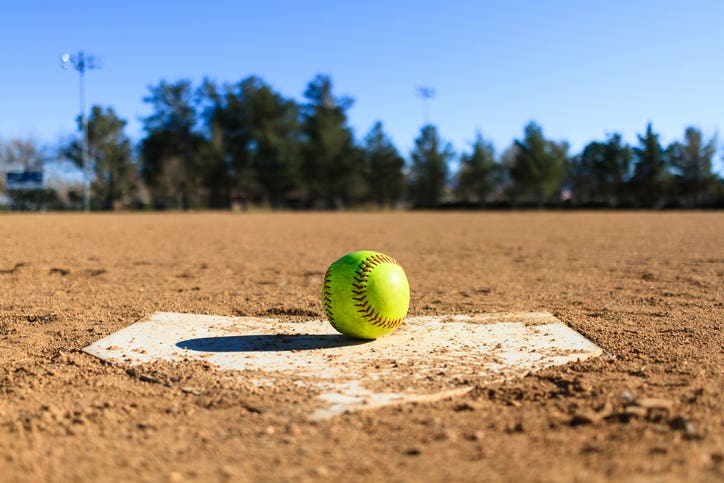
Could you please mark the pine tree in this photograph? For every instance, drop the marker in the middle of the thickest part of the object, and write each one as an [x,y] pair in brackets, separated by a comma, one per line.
[256,132]
[332,166]
[651,178]
[172,148]
[539,166]
[384,165]
[692,162]
[479,173]
[428,175]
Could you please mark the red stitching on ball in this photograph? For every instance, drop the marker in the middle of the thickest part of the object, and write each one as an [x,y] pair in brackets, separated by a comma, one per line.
[364,308]
[327,299]
[359,285]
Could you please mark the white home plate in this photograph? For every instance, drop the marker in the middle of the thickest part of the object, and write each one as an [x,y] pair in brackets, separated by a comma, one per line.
[427,358]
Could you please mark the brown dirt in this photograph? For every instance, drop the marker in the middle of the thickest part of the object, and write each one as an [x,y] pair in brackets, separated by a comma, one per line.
[647,287]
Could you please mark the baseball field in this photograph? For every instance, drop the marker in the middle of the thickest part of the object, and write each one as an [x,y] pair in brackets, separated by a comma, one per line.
[648,288]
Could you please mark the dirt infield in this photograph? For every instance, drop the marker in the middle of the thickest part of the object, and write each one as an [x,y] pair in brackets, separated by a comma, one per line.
[647,287]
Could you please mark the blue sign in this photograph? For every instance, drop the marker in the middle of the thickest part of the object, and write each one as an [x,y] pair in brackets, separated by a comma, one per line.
[24,180]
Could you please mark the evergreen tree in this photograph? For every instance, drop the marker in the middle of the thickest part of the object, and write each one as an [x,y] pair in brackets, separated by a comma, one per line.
[332,167]
[275,137]
[384,166]
[600,173]
[539,166]
[581,174]
[479,173]
[172,149]
[257,131]
[651,177]
[692,162]
[216,173]
[428,175]
[614,170]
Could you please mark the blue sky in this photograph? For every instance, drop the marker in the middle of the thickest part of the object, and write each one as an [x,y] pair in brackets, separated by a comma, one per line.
[579,68]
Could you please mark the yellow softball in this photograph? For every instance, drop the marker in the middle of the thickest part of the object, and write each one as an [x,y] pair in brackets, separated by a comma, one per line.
[365,294]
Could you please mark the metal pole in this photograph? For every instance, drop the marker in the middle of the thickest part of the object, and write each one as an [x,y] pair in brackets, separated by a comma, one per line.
[81,62]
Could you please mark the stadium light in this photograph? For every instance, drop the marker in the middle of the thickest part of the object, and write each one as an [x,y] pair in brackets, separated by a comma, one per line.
[426,93]
[82,62]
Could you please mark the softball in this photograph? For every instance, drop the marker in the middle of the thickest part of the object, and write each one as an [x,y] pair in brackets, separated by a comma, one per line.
[365,294]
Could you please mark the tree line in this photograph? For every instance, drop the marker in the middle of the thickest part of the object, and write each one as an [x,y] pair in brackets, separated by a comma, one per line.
[245,144]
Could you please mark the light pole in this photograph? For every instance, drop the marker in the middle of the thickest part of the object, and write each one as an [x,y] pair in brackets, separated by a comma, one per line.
[426,93]
[82,62]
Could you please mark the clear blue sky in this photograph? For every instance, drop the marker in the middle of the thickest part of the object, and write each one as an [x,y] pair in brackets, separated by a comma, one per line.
[580,68]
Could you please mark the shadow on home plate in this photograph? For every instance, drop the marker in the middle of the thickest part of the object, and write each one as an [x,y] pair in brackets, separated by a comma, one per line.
[269,343]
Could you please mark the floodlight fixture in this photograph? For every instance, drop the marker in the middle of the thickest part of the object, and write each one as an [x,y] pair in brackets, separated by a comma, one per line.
[426,93]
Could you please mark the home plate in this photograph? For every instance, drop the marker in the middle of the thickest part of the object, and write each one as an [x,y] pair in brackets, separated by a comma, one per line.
[428,358]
